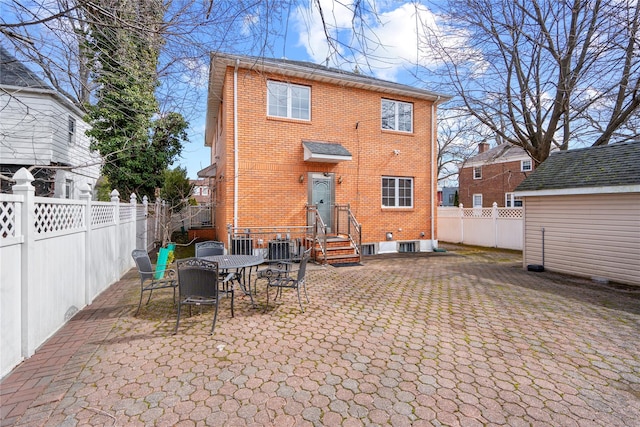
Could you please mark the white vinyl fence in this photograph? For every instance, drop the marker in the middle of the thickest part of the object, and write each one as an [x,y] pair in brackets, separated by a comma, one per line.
[490,227]
[56,256]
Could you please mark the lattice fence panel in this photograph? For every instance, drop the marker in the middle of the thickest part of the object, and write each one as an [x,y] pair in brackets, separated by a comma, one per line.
[7,219]
[52,217]
[510,213]
[478,212]
[102,214]
[127,212]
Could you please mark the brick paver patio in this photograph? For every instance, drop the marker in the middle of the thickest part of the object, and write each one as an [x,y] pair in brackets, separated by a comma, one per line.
[464,338]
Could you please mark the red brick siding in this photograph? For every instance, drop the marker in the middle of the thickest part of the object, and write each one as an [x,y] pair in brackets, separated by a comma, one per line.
[497,180]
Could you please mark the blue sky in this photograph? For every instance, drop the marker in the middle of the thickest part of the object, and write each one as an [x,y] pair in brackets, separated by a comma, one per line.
[392,52]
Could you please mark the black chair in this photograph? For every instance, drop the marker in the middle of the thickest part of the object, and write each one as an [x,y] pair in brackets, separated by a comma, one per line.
[198,285]
[209,248]
[151,279]
[282,281]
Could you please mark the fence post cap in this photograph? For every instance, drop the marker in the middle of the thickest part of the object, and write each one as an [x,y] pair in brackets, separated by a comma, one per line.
[23,176]
[85,189]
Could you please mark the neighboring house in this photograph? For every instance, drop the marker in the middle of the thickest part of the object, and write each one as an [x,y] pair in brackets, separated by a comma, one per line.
[491,176]
[201,192]
[44,132]
[287,134]
[582,213]
[447,196]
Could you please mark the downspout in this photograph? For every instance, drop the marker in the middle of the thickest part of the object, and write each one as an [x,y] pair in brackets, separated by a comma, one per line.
[235,145]
[434,143]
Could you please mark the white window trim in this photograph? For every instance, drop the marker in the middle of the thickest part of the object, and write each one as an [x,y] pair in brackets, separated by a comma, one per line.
[510,200]
[396,115]
[289,86]
[522,165]
[397,192]
[473,200]
[478,168]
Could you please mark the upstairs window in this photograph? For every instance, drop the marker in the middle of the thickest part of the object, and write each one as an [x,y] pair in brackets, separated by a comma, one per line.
[288,100]
[397,192]
[72,130]
[526,165]
[397,115]
[477,172]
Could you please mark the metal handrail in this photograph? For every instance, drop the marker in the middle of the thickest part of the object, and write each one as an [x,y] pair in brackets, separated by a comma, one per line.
[353,228]
[319,232]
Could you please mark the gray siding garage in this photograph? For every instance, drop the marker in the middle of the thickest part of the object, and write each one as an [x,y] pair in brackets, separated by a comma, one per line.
[585,205]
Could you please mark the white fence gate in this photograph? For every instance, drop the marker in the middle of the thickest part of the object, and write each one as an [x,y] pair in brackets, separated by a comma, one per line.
[491,227]
[56,256]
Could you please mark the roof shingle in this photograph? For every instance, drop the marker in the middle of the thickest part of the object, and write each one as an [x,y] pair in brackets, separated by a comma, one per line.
[602,166]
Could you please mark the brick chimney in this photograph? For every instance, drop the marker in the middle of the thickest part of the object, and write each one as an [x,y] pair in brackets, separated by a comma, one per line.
[482,147]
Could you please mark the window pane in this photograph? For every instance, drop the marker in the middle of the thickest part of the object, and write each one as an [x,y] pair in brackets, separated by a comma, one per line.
[388,192]
[277,99]
[404,116]
[404,192]
[300,102]
[388,113]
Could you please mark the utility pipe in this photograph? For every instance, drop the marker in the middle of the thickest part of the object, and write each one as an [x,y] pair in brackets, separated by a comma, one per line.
[235,145]
[433,157]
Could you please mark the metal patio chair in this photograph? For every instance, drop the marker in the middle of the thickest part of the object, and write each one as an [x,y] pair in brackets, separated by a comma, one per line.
[209,248]
[282,281]
[198,285]
[152,278]
[212,248]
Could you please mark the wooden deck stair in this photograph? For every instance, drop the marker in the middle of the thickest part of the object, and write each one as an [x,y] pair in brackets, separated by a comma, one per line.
[339,250]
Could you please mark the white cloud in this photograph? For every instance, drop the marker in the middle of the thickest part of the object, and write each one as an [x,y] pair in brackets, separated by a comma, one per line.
[393,36]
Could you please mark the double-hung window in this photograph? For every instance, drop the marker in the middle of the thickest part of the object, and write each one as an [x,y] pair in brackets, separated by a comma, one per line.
[72,130]
[397,115]
[525,165]
[397,192]
[477,200]
[477,172]
[288,100]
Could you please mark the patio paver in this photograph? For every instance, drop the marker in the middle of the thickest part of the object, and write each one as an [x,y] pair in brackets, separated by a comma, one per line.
[463,338]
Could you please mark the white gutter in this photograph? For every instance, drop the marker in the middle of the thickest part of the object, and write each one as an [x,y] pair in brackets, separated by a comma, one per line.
[235,145]
[434,142]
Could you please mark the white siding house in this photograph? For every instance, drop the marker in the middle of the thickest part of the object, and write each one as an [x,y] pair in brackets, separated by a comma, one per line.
[41,129]
[582,213]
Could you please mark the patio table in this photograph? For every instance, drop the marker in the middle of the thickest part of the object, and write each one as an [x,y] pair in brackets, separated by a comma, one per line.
[239,263]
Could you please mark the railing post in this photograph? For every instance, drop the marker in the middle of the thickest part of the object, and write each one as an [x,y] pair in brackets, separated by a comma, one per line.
[145,231]
[85,195]
[24,188]
[115,201]
[461,215]
[494,217]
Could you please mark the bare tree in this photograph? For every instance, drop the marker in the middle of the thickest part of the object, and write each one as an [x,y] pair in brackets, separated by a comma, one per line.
[543,73]
[459,134]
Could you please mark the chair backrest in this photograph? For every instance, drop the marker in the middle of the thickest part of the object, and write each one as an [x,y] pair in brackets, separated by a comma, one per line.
[209,248]
[143,263]
[303,265]
[197,277]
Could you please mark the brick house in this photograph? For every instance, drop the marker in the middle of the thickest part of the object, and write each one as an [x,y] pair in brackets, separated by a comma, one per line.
[492,175]
[201,192]
[288,134]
